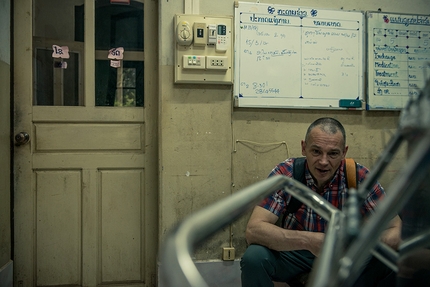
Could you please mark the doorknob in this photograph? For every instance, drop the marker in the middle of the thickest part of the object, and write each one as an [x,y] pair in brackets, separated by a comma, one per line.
[22,138]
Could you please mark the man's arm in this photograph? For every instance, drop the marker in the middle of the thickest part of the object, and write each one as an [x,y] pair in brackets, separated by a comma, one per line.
[392,235]
[261,229]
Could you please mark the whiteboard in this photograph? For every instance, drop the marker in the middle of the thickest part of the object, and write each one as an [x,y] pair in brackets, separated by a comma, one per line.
[398,53]
[290,56]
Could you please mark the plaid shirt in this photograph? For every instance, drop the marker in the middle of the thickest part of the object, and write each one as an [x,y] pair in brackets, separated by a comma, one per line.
[334,192]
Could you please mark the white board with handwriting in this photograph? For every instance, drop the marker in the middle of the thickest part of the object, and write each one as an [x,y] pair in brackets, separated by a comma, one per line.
[290,56]
[398,58]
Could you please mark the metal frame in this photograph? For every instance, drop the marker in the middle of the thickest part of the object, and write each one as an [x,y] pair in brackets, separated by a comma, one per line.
[347,244]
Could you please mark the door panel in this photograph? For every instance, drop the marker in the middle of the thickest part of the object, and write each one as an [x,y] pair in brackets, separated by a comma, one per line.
[121,225]
[86,182]
[58,226]
[88,137]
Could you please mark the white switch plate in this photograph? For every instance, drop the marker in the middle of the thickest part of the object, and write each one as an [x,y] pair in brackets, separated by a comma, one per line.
[193,62]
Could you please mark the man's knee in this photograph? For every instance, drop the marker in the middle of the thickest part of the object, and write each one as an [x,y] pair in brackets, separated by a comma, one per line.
[256,256]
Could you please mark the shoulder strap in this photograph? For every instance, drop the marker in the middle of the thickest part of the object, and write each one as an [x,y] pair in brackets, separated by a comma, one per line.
[299,175]
[351,173]
[299,169]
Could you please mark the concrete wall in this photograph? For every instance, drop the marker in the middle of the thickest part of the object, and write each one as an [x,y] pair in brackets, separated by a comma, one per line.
[201,162]
[5,227]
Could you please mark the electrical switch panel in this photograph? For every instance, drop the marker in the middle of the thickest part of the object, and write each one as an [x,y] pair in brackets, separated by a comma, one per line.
[203,49]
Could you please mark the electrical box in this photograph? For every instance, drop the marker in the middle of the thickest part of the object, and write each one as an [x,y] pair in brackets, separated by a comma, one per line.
[203,49]
[228,253]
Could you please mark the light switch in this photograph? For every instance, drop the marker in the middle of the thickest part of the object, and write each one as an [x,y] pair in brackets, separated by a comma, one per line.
[212,34]
[200,34]
[194,62]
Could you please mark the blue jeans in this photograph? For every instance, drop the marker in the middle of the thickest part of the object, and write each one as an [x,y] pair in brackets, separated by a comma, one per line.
[261,265]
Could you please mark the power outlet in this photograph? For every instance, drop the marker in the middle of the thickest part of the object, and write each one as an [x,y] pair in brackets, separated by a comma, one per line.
[216,63]
[228,253]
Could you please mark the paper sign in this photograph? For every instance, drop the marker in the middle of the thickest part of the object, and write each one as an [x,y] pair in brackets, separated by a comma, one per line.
[60,52]
[115,64]
[62,65]
[116,53]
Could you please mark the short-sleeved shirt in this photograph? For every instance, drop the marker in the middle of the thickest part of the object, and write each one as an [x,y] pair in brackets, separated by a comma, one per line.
[334,192]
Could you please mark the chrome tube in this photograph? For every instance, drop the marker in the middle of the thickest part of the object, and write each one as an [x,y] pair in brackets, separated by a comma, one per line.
[336,266]
[327,265]
[177,267]
[412,174]
[380,165]
[418,241]
[386,255]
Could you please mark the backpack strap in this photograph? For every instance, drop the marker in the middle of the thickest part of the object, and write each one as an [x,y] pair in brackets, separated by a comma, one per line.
[351,173]
[299,169]
[299,175]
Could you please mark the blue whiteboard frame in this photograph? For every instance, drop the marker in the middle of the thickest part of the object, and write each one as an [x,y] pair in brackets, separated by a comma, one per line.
[297,57]
[398,56]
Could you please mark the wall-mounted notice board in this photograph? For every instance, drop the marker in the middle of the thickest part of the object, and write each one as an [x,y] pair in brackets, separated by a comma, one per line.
[398,57]
[289,56]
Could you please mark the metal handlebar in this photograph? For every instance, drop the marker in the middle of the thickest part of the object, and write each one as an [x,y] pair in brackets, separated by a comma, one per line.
[341,258]
[177,267]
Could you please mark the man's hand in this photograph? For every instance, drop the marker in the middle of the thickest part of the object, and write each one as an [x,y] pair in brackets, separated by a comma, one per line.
[316,240]
[391,236]
[413,262]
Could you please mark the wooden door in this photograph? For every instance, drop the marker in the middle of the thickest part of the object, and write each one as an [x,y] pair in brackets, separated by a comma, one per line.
[86,181]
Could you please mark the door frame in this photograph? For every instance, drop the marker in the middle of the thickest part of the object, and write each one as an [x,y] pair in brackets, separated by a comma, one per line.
[6,224]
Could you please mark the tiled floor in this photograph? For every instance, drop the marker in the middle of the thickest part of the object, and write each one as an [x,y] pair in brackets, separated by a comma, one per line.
[222,273]
[6,274]
[217,273]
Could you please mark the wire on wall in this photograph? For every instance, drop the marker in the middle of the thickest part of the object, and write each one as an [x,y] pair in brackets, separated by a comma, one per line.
[275,144]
